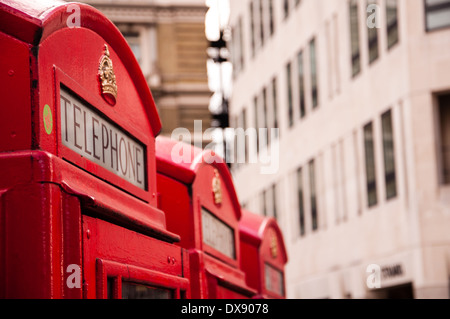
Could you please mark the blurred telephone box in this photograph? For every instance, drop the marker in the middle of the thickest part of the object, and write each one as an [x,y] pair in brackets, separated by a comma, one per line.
[264,255]
[198,196]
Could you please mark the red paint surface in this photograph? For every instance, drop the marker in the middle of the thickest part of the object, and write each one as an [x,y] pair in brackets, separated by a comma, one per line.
[184,188]
[15,91]
[50,196]
[256,235]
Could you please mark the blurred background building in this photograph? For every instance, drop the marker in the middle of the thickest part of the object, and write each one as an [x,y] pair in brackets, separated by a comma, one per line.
[362,103]
[168,39]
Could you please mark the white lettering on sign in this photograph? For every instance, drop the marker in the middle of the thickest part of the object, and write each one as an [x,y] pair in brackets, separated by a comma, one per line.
[217,234]
[93,137]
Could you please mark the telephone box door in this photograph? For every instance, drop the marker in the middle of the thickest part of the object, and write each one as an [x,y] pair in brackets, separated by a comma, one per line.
[123,264]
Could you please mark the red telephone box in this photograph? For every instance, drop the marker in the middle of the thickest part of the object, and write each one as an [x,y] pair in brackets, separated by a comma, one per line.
[263,255]
[197,194]
[78,214]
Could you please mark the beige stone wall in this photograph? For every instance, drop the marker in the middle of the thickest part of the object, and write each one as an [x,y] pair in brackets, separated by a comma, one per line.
[183,47]
[183,92]
[410,230]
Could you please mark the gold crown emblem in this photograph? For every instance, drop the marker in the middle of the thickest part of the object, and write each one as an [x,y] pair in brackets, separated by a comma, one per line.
[107,78]
[273,246]
[217,188]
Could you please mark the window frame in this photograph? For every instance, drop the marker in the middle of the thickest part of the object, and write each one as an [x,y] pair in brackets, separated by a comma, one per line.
[354,34]
[274,189]
[313,194]
[373,38]
[257,124]
[314,73]
[390,26]
[371,185]
[262,33]
[134,40]
[301,83]
[110,274]
[430,8]
[290,96]
[444,171]
[286,9]
[389,176]
[252,27]
[271,17]
[301,201]
[275,119]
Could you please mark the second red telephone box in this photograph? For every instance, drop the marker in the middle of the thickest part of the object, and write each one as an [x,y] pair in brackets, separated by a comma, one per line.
[263,255]
[197,194]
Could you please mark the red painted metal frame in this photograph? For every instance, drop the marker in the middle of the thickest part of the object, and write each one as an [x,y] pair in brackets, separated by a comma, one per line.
[108,269]
[45,188]
[16,94]
[113,251]
[184,188]
[45,229]
[256,243]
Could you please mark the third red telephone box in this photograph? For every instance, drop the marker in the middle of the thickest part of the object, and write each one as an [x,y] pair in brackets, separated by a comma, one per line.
[197,194]
[264,255]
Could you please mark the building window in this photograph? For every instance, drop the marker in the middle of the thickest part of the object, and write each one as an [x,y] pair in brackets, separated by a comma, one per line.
[289,92]
[264,202]
[234,122]
[389,156]
[444,119]
[370,165]
[234,50]
[271,18]
[274,202]
[301,205]
[354,38]
[252,27]
[313,192]
[437,14]
[237,47]
[261,22]
[264,114]
[241,142]
[372,36]
[286,8]
[314,83]
[241,44]
[134,41]
[301,84]
[275,105]
[255,107]
[244,127]
[269,201]
[392,22]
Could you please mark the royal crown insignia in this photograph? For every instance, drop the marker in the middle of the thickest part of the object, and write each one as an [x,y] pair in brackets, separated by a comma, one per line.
[107,78]
[217,188]
[273,246]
